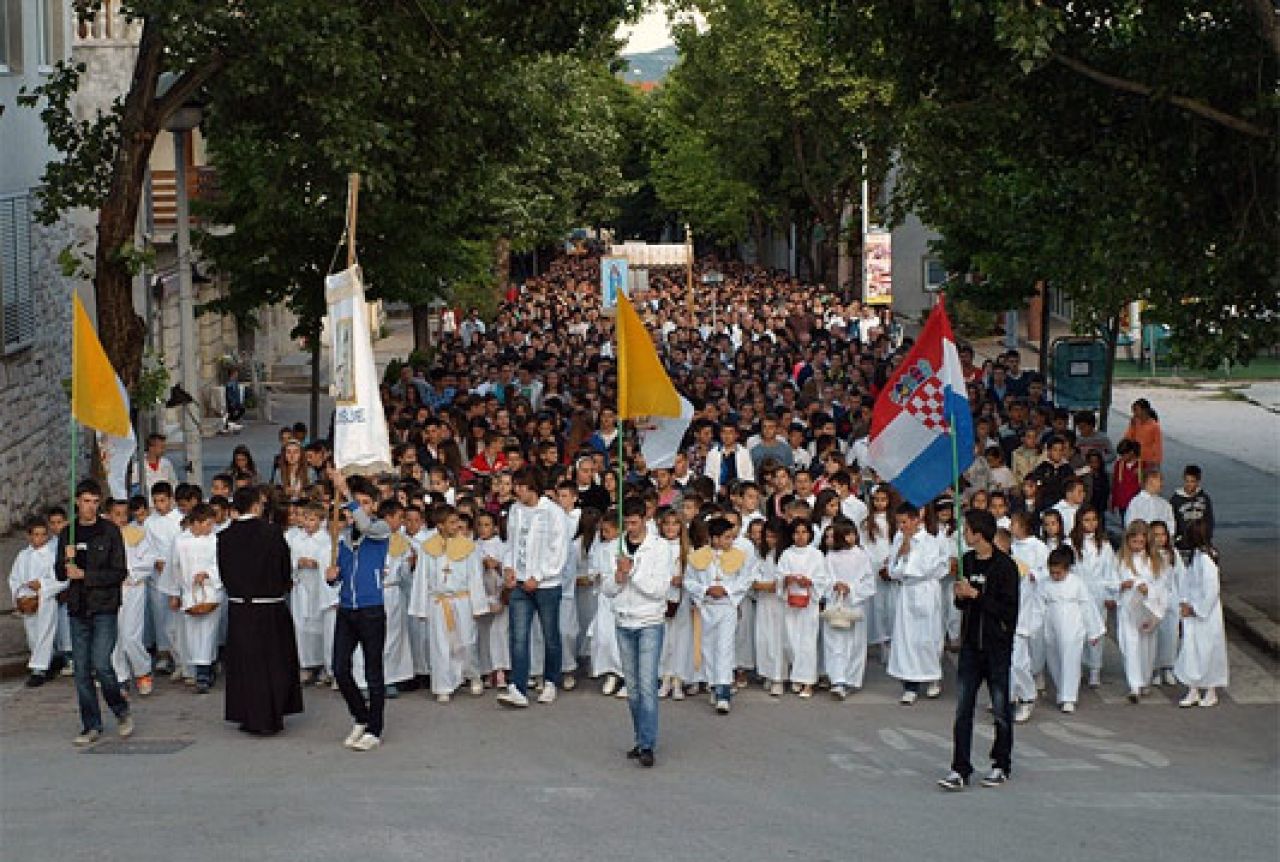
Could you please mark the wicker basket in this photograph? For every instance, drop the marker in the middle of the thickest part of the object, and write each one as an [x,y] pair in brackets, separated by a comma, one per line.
[27,605]
[202,608]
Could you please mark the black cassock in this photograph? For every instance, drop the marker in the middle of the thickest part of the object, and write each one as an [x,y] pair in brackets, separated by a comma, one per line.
[261,656]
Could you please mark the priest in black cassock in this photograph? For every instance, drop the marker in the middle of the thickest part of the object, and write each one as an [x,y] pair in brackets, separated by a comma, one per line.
[261,657]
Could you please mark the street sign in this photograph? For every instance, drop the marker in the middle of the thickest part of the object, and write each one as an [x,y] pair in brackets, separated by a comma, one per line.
[1079,369]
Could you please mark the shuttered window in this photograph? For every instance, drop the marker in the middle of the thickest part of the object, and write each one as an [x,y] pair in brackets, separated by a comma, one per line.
[17,303]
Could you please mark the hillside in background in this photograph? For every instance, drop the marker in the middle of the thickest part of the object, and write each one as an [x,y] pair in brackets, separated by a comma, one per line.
[650,67]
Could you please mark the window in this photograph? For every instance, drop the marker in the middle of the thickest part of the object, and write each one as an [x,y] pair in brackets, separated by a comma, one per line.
[10,37]
[935,275]
[17,305]
[49,48]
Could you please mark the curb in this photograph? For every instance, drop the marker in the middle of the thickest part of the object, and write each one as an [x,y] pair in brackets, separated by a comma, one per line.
[1253,624]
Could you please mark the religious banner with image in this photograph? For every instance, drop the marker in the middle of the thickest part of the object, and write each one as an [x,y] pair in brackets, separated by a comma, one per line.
[360,441]
[613,280]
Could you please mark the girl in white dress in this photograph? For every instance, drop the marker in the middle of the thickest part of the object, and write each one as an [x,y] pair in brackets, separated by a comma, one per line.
[852,586]
[492,627]
[606,660]
[770,636]
[1071,619]
[1167,634]
[1202,660]
[1144,599]
[805,580]
[878,532]
[1051,529]
[678,660]
[1096,565]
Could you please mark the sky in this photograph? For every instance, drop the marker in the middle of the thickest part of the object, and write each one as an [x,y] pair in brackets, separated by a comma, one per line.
[649,34]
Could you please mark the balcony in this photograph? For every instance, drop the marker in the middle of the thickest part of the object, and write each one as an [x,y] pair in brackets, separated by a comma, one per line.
[202,184]
[107,27]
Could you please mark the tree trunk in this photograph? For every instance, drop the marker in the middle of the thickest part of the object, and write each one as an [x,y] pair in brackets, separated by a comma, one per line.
[422,329]
[1111,335]
[1044,327]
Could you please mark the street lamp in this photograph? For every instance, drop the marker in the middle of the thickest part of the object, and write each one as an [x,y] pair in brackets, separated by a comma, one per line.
[179,124]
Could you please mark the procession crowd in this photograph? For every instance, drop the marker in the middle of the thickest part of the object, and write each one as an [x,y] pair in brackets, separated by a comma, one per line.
[768,553]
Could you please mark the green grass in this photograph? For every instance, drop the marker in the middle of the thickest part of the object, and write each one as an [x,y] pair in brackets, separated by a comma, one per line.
[1261,368]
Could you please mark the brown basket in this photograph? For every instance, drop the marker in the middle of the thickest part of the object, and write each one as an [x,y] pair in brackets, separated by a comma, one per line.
[797,600]
[200,609]
[27,604]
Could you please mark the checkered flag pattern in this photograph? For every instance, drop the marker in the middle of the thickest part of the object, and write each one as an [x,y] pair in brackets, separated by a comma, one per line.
[926,404]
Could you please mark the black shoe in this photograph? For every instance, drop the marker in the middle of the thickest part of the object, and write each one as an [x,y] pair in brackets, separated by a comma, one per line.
[202,688]
[646,758]
[634,754]
[37,679]
[56,664]
[392,692]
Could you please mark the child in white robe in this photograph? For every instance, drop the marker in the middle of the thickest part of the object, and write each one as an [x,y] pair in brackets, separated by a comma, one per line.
[1202,660]
[852,586]
[718,578]
[162,526]
[877,536]
[681,664]
[418,531]
[192,583]
[1096,566]
[1167,634]
[32,582]
[310,552]
[1071,620]
[449,573]
[1027,661]
[770,634]
[606,659]
[492,622]
[567,496]
[918,563]
[805,581]
[1143,602]
[130,658]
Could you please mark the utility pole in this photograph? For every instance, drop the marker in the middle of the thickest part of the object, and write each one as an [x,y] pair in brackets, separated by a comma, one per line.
[688,262]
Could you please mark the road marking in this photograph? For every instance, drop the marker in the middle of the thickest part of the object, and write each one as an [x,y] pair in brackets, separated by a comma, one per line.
[895,740]
[1143,801]
[1099,740]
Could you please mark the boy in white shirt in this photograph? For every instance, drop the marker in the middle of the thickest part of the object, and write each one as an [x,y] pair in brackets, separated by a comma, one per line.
[161,526]
[1073,494]
[312,600]
[1148,505]
[35,588]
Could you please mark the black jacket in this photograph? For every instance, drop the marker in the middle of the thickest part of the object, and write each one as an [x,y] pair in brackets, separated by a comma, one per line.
[991,619]
[105,569]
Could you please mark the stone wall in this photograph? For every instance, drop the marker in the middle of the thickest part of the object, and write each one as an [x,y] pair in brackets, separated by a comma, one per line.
[34,433]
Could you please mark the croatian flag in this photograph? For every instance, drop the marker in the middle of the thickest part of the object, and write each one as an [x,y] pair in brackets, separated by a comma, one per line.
[921,406]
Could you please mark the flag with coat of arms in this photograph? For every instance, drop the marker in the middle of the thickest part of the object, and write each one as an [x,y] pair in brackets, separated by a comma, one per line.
[921,428]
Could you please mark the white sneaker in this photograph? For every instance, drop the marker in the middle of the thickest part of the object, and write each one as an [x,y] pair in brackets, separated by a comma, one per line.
[569,682]
[1155,678]
[776,689]
[548,694]
[86,738]
[621,693]
[125,730]
[722,707]
[677,692]
[1095,677]
[443,698]
[666,689]
[806,692]
[1169,678]
[839,691]
[367,742]
[611,685]
[1210,698]
[1068,707]
[1192,698]
[908,698]
[477,686]
[357,731]
[1022,714]
[512,697]
[934,690]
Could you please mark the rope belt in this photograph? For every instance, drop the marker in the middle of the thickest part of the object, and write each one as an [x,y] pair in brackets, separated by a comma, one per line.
[445,601]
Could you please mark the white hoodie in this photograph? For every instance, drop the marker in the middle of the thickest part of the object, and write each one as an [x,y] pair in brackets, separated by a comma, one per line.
[642,600]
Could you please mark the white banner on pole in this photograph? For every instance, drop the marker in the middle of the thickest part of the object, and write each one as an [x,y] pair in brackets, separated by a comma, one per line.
[116,454]
[660,443]
[360,441]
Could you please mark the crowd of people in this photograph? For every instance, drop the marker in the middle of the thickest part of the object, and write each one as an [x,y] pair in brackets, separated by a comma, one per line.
[769,553]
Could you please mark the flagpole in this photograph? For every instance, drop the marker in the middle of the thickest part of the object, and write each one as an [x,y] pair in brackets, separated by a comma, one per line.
[75,387]
[955,499]
[621,478]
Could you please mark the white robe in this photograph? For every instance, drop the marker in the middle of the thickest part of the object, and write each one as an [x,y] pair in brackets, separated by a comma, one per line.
[800,625]
[311,597]
[951,615]
[1167,633]
[418,628]
[603,633]
[1071,619]
[1097,568]
[130,657]
[745,637]
[161,531]
[36,564]
[719,615]
[443,591]
[1202,661]
[573,560]
[199,634]
[885,601]
[917,625]
[769,635]
[845,650]
[1138,644]
[493,647]
[1028,644]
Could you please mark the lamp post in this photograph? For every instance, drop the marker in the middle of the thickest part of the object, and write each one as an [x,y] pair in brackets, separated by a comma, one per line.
[180,124]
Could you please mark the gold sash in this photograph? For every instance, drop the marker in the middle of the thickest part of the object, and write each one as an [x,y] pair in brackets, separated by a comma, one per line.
[445,601]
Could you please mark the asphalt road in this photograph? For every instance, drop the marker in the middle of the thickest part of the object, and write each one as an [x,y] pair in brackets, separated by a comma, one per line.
[777,779]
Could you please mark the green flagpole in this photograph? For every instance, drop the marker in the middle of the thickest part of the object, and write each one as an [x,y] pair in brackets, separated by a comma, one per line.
[75,454]
[955,499]
[622,425]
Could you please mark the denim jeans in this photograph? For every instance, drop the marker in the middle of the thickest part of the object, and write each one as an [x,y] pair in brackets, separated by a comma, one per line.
[641,650]
[367,629]
[723,692]
[975,668]
[93,640]
[546,604]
